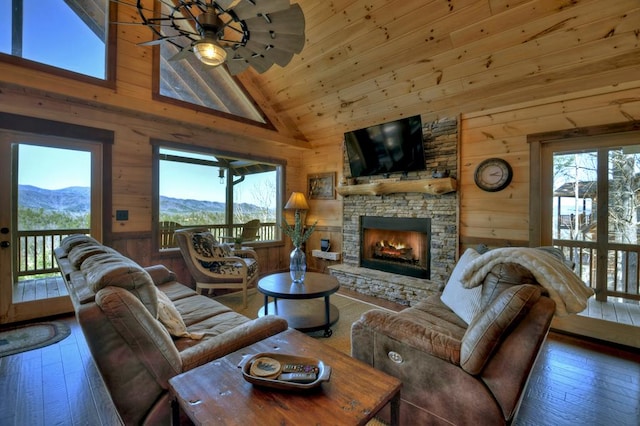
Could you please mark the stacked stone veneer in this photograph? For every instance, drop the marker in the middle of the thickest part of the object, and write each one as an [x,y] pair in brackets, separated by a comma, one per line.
[441,142]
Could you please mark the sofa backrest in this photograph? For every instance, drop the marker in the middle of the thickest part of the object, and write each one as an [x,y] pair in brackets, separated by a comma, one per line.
[134,353]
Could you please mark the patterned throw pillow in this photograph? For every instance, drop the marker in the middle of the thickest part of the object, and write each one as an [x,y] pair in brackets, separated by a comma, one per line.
[207,246]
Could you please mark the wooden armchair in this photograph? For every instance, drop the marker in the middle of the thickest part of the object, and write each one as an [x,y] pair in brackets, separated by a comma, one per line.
[214,265]
[249,232]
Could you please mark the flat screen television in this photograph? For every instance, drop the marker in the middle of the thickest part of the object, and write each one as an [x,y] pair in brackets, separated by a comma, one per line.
[396,146]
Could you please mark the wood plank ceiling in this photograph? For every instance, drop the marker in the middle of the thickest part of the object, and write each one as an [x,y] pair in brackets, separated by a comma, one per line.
[370,61]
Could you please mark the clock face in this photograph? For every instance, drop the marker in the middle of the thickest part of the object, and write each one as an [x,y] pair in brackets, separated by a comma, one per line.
[493,174]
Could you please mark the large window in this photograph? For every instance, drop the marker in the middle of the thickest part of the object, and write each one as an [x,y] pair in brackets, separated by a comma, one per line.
[66,34]
[590,195]
[218,192]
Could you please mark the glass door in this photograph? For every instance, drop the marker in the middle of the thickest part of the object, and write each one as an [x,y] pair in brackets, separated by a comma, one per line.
[51,188]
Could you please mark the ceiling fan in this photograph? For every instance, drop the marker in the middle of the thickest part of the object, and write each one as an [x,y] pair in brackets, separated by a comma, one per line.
[238,33]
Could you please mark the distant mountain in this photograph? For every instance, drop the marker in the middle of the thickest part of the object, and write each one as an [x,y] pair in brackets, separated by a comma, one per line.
[76,200]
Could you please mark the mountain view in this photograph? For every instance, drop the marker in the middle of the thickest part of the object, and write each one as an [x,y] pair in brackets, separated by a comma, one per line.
[69,208]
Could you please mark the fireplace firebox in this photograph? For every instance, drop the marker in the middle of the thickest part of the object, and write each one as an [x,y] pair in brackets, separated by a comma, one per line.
[396,244]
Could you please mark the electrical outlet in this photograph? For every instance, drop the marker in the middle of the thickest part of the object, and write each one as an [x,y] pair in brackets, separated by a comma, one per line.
[122,214]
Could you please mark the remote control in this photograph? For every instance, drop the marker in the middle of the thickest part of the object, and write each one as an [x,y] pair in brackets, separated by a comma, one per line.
[298,377]
[299,368]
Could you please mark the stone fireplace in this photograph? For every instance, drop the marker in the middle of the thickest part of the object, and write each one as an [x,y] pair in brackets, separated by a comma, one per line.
[438,249]
[396,245]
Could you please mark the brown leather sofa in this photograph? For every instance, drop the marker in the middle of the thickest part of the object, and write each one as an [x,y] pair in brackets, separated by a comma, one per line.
[454,373]
[125,317]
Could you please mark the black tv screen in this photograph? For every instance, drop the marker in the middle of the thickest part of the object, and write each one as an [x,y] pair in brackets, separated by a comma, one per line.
[396,146]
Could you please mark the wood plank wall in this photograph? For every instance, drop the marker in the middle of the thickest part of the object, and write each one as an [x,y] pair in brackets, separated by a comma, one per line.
[502,218]
[129,110]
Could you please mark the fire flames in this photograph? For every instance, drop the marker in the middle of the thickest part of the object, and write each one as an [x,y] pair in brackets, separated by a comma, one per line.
[392,250]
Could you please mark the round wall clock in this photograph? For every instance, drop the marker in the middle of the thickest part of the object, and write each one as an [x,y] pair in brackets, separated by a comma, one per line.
[493,174]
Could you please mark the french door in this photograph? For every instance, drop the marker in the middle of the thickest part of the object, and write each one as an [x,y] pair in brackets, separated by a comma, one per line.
[49,187]
[589,190]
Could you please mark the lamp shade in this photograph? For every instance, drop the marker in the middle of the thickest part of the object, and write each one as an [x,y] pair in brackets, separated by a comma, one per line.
[297,201]
[209,53]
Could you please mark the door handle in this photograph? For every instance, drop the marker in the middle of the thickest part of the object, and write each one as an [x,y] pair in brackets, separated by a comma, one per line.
[4,230]
[4,244]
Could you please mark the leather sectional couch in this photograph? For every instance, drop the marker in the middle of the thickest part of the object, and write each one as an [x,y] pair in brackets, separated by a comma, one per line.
[456,371]
[143,327]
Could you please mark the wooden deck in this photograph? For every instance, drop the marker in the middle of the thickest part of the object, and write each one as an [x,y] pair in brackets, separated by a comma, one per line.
[39,289]
[615,311]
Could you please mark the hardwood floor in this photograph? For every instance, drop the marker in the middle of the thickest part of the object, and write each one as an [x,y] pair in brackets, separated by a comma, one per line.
[575,382]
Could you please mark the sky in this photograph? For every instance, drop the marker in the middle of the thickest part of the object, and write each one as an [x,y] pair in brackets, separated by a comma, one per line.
[40,166]
[54,35]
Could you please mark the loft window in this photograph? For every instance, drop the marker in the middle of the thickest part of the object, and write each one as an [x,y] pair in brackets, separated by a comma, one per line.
[218,192]
[70,35]
[211,89]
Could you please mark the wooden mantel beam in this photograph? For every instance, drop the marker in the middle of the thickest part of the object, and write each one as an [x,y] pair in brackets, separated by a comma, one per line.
[427,186]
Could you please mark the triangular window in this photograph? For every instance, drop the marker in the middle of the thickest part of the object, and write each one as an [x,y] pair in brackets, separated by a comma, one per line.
[189,80]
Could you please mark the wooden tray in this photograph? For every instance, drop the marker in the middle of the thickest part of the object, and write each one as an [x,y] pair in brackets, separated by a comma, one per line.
[324,371]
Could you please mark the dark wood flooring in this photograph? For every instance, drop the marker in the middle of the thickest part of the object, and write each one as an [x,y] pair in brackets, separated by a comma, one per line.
[575,382]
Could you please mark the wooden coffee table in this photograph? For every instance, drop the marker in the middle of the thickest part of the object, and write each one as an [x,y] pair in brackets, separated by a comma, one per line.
[292,300]
[216,393]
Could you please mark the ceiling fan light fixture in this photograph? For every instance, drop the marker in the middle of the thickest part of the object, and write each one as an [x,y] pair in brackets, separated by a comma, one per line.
[209,52]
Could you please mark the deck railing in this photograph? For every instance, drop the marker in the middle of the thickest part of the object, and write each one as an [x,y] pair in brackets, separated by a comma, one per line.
[166,239]
[34,252]
[621,263]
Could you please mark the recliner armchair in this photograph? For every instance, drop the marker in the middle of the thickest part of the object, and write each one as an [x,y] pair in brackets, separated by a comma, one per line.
[458,373]
[214,265]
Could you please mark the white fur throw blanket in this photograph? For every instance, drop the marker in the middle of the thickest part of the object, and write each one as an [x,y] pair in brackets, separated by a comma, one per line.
[564,287]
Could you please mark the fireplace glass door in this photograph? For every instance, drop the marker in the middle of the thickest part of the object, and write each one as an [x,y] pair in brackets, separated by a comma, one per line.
[396,245]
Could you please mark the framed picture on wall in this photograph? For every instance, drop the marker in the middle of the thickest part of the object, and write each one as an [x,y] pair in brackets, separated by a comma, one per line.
[321,186]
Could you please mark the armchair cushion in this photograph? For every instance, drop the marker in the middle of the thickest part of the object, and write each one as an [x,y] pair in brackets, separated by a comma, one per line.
[465,302]
[234,267]
[487,331]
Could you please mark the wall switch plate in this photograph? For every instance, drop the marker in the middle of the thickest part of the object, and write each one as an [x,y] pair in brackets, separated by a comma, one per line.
[122,214]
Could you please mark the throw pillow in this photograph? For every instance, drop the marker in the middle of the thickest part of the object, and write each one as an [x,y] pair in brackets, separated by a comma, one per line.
[204,244]
[464,302]
[169,316]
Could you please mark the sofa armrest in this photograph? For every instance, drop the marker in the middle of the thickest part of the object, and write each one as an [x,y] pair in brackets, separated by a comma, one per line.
[487,331]
[409,329]
[232,340]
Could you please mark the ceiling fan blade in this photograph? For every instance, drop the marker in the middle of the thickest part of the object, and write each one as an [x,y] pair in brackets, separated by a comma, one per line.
[226,4]
[257,61]
[290,21]
[256,8]
[236,66]
[287,42]
[180,55]
[260,64]
[274,54]
[158,40]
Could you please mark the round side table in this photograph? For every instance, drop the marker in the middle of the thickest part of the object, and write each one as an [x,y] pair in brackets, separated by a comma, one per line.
[293,301]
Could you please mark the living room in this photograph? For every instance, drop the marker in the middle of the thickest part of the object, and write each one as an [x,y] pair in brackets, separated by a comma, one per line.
[510,75]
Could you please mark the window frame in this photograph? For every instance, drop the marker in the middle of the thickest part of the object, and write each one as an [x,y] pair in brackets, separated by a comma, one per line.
[110,61]
[158,144]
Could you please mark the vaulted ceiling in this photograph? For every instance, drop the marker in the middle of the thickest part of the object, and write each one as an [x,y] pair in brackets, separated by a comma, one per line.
[370,61]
